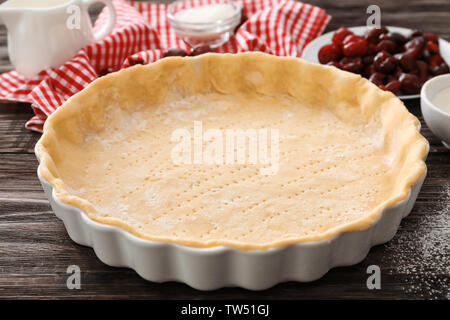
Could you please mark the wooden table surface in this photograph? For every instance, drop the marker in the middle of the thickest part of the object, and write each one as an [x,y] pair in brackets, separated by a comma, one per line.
[35,249]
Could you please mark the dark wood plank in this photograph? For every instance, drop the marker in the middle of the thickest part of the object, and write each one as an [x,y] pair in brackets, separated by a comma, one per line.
[35,249]
[14,138]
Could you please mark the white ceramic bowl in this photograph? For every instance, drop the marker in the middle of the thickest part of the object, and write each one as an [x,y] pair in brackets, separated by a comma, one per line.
[437,119]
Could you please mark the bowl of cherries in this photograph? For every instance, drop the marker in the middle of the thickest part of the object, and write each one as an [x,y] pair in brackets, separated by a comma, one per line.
[396,59]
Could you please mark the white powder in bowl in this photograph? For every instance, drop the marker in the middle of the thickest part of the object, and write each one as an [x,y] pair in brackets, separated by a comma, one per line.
[206,14]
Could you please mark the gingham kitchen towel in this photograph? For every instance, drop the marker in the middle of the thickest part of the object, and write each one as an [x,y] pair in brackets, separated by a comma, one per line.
[280,27]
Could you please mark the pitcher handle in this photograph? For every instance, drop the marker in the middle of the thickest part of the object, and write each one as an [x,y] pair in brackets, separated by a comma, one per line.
[106,29]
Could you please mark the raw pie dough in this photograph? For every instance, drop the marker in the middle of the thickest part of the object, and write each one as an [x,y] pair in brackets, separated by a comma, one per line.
[347,150]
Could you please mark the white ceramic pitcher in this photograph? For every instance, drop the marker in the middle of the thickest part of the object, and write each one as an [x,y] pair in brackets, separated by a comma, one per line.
[47,33]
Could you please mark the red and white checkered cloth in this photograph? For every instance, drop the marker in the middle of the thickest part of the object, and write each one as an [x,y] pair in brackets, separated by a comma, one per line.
[280,27]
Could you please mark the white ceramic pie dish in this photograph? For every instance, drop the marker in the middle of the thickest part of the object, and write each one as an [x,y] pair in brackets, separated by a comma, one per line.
[217,267]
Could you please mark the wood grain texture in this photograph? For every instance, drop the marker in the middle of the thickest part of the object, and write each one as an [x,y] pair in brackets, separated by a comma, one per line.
[35,249]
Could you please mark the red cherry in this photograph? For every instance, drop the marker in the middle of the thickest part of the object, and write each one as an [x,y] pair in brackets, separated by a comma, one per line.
[398,72]
[174,52]
[440,69]
[431,37]
[369,70]
[372,35]
[422,68]
[201,50]
[104,72]
[354,46]
[377,78]
[393,86]
[426,54]
[398,38]
[385,36]
[351,38]
[340,34]
[410,83]
[387,45]
[433,47]
[352,67]
[329,52]
[406,61]
[334,64]
[390,78]
[371,48]
[415,46]
[384,62]
[415,33]
[435,61]
[353,64]
[350,60]
[367,60]
[414,52]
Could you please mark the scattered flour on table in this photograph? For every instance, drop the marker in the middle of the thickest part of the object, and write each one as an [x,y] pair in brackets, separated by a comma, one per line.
[424,256]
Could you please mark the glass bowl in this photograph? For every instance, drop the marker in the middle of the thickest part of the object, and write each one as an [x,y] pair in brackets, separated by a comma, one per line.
[211,26]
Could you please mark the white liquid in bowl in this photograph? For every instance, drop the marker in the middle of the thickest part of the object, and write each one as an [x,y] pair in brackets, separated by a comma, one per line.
[442,100]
